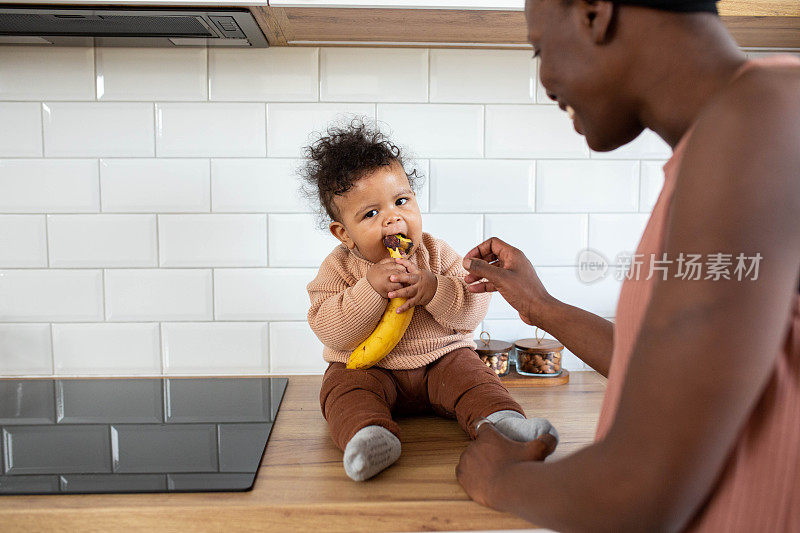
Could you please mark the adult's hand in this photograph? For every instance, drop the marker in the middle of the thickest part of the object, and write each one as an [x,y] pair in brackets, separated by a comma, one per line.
[508,271]
[482,463]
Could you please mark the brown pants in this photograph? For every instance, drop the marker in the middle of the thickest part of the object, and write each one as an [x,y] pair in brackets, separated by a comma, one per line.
[457,385]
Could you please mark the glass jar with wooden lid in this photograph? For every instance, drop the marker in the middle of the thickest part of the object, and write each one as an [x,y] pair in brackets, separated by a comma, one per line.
[493,353]
[538,357]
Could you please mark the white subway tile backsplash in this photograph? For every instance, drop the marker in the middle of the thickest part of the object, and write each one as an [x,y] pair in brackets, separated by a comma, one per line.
[210,130]
[51,296]
[532,131]
[213,240]
[423,184]
[652,182]
[166,294]
[483,76]
[151,73]
[547,240]
[215,348]
[296,241]
[256,185]
[461,232]
[599,186]
[615,234]
[274,74]
[648,145]
[155,185]
[46,73]
[106,349]
[98,129]
[23,241]
[182,183]
[291,127]
[434,130]
[262,293]
[478,186]
[599,297]
[373,74]
[20,129]
[49,185]
[102,240]
[25,350]
[294,349]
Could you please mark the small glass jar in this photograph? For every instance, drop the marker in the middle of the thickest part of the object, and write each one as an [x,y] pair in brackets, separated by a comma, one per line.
[539,357]
[493,353]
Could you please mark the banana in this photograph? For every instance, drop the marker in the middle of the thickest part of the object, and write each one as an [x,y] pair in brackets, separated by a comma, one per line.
[391,327]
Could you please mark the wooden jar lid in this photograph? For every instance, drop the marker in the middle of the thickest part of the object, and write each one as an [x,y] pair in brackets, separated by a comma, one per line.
[536,346]
[493,347]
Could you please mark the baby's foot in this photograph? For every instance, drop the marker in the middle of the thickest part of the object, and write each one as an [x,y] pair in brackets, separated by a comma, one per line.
[371,450]
[516,427]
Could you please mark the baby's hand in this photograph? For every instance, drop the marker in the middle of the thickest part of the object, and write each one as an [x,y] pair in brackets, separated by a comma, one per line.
[379,273]
[420,285]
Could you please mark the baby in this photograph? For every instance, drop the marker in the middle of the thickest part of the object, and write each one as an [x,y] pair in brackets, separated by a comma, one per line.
[359,178]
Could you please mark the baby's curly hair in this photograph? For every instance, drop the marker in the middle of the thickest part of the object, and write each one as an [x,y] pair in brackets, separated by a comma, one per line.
[342,156]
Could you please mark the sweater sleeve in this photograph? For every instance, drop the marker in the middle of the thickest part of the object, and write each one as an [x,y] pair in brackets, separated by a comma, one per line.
[453,306]
[342,315]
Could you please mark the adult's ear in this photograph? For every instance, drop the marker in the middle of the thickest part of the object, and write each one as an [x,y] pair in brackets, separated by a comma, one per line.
[598,16]
[340,232]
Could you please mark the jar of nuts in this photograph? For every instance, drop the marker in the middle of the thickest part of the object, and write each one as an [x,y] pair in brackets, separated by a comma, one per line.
[539,357]
[494,354]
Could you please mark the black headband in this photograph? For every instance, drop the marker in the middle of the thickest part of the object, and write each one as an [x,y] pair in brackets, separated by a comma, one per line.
[683,6]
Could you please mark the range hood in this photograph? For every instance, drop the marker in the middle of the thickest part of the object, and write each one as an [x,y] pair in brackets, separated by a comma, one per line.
[120,26]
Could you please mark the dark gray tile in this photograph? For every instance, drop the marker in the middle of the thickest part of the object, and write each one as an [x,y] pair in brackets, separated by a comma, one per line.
[28,484]
[56,449]
[87,401]
[211,482]
[164,448]
[241,446]
[27,401]
[277,390]
[114,483]
[218,399]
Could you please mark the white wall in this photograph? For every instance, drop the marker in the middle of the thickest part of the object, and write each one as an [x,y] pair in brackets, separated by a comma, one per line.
[149,221]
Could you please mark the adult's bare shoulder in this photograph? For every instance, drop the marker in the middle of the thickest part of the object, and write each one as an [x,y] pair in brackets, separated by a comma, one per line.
[764,98]
[747,139]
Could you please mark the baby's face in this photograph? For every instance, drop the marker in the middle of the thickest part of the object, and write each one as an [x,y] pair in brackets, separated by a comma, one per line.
[381,203]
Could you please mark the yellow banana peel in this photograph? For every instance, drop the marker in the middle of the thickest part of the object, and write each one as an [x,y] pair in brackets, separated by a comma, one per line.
[390,329]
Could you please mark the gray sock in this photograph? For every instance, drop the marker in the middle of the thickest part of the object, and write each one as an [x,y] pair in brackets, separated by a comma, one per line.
[371,450]
[516,427]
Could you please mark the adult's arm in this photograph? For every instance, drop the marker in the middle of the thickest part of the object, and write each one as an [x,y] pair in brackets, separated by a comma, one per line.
[508,271]
[706,349]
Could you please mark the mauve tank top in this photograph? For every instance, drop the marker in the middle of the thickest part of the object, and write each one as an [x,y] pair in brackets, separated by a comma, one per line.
[759,488]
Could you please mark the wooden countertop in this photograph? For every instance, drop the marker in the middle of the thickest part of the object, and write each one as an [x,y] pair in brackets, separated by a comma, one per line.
[301,484]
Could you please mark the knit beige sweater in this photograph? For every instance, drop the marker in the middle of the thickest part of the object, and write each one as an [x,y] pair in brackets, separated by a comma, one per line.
[345,308]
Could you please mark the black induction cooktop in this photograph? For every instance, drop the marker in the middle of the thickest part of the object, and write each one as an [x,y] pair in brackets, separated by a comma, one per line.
[134,435]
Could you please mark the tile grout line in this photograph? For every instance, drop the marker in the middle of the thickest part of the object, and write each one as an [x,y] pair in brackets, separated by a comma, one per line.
[319,74]
[42,106]
[52,351]
[161,351]
[429,75]
[99,186]
[103,294]
[213,298]
[155,130]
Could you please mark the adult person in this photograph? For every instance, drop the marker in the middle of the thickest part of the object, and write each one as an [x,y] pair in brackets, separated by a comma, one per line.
[700,426]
